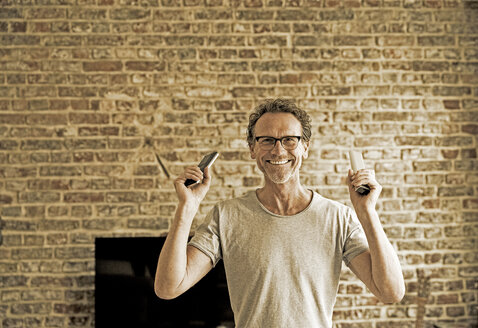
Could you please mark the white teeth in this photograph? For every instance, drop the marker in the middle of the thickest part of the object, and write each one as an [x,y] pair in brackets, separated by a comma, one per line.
[278,163]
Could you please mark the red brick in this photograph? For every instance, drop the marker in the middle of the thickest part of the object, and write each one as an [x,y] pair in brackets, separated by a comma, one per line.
[470,128]
[450,154]
[451,104]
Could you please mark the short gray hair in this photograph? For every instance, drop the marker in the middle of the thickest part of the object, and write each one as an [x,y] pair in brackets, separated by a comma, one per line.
[279,105]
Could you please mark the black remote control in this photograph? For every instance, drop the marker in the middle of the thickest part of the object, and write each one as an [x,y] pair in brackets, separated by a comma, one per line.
[205,162]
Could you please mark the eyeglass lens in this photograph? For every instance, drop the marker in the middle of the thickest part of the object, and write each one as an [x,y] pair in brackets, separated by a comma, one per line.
[287,142]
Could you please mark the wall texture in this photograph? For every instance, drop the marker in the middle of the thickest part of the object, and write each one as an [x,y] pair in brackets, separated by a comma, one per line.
[91,89]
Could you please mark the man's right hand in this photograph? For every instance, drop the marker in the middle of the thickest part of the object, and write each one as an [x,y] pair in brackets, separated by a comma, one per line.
[194,194]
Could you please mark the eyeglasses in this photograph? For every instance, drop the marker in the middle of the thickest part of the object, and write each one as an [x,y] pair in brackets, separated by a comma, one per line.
[288,142]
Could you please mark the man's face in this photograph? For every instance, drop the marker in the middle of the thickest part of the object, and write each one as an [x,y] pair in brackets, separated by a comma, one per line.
[278,164]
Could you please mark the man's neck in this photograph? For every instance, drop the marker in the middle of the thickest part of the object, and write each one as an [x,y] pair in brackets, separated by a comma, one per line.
[284,199]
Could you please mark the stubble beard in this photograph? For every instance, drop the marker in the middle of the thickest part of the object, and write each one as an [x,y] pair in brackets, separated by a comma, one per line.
[279,176]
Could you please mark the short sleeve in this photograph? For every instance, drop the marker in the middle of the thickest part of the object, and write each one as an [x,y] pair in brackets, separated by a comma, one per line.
[355,240]
[206,238]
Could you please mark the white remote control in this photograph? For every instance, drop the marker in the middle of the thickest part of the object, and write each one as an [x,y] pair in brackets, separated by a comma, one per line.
[356,161]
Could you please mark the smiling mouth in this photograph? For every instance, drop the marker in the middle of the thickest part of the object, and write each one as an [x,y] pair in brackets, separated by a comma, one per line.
[278,162]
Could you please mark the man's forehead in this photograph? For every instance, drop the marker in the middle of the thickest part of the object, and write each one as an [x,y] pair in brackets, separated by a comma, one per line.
[278,121]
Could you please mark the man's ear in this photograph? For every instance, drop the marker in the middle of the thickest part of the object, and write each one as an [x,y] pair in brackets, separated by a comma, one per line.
[306,147]
[251,149]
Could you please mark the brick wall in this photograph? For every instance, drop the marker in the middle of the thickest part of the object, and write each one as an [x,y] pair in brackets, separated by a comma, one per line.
[90,89]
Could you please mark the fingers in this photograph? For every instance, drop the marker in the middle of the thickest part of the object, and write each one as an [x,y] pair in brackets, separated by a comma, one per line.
[194,193]
[362,177]
[191,172]
[194,173]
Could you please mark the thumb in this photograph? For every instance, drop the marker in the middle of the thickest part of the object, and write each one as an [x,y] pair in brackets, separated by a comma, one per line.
[207,176]
[349,177]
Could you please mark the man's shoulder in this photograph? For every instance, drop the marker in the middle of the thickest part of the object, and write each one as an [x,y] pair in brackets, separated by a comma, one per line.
[245,199]
[321,201]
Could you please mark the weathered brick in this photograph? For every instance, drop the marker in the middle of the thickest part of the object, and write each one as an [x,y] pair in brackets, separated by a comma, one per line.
[331,90]
[432,166]
[83,197]
[38,197]
[116,197]
[254,15]
[46,119]
[58,225]
[77,118]
[454,141]
[353,41]
[296,14]
[3,27]
[13,281]
[129,14]
[79,13]
[46,13]
[436,41]
[85,144]
[33,253]
[455,191]
[311,66]
[20,40]
[307,40]
[108,66]
[150,224]
[451,104]
[50,281]
[74,252]
[73,308]
[451,91]
[430,66]
[9,13]
[31,308]
[339,14]
[204,92]
[12,119]
[8,145]
[60,171]
[145,66]
[396,117]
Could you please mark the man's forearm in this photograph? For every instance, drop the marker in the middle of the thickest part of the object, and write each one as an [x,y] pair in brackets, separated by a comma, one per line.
[172,261]
[386,270]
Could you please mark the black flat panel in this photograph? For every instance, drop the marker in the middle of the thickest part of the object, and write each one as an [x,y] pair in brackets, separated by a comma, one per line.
[124,293]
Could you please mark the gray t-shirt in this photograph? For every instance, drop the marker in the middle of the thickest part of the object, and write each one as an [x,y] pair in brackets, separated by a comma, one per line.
[282,271]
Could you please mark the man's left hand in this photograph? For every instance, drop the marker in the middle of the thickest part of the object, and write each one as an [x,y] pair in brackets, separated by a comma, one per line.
[363,203]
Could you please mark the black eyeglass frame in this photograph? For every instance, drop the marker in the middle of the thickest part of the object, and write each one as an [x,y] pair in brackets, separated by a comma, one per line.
[280,140]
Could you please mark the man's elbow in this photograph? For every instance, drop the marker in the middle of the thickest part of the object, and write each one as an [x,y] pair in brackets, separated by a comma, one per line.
[164,296]
[393,295]
[164,293]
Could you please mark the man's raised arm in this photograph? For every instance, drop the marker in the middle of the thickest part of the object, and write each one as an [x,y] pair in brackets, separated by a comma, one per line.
[379,268]
[181,266]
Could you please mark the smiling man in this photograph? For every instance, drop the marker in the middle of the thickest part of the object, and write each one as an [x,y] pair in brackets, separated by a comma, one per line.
[283,244]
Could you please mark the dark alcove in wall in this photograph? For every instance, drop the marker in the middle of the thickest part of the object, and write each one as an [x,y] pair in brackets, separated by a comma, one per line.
[124,294]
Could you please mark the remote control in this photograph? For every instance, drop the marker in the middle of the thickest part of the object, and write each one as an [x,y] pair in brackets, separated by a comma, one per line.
[205,162]
[356,161]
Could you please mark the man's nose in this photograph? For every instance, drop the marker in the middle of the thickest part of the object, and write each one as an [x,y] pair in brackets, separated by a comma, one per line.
[278,148]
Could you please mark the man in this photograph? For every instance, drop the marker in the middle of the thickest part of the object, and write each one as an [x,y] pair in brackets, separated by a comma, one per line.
[282,244]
